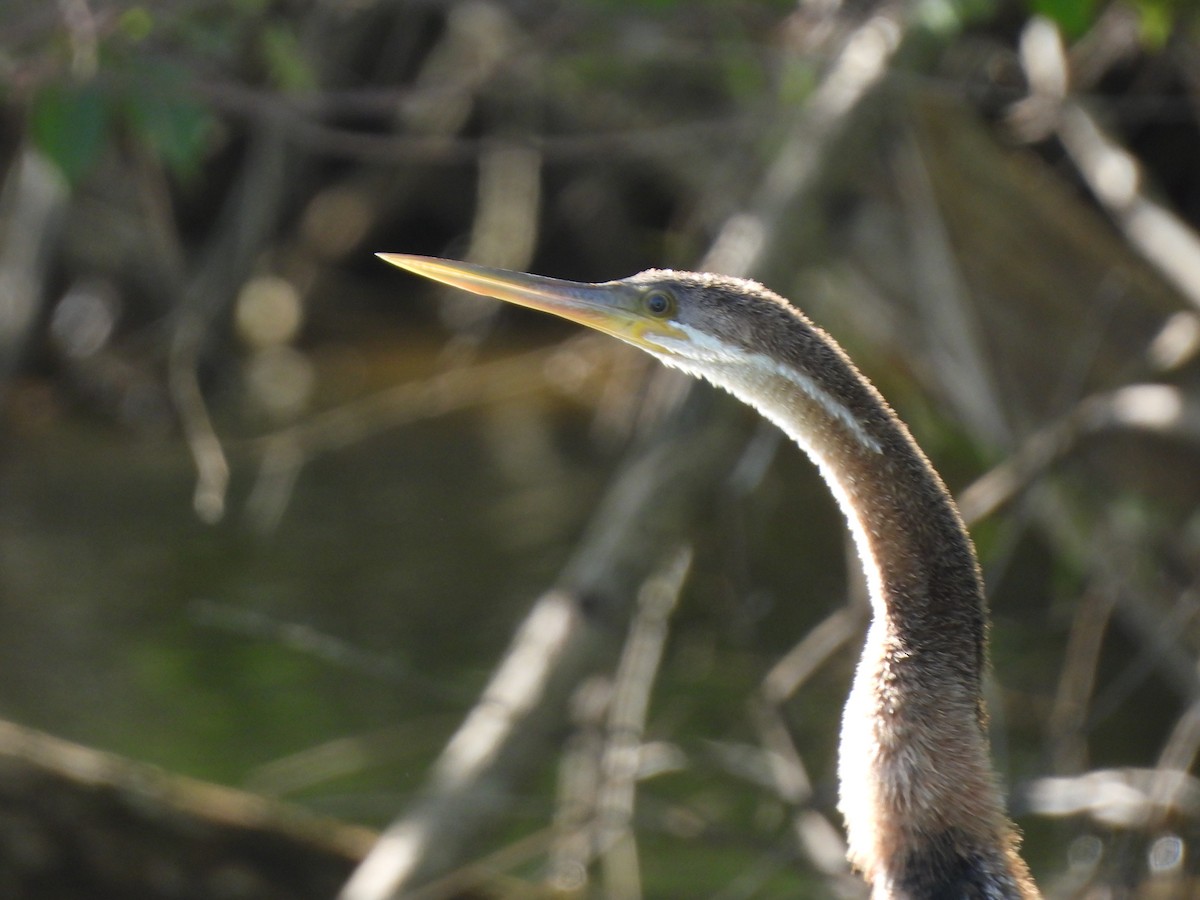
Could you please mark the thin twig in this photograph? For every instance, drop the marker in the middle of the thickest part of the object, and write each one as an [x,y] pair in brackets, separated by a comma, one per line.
[635,677]
[246,221]
[1159,409]
[1077,679]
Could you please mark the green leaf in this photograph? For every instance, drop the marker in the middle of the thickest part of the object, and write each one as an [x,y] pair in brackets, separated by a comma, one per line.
[172,124]
[1155,21]
[69,124]
[1074,17]
[288,68]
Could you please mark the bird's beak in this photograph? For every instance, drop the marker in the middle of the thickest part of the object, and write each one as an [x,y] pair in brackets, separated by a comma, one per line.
[609,307]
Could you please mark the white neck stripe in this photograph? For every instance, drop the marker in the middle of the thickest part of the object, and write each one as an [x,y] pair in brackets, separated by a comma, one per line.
[701,348]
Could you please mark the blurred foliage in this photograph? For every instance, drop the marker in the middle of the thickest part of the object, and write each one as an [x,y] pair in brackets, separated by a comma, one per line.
[75,123]
[1156,18]
[136,76]
[70,124]
[1074,17]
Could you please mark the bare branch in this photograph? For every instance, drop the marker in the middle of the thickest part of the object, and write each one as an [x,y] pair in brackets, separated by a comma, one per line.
[620,763]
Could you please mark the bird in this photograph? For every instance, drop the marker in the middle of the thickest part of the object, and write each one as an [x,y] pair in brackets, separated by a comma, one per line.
[923,811]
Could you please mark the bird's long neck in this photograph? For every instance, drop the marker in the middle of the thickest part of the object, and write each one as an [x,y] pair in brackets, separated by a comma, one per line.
[922,810]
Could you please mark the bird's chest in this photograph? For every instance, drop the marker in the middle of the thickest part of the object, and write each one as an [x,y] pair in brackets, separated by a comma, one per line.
[912,756]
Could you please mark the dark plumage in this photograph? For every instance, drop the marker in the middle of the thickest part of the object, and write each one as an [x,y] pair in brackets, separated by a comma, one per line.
[923,813]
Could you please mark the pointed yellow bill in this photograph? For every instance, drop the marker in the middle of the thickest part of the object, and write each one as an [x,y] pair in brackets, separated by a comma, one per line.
[612,307]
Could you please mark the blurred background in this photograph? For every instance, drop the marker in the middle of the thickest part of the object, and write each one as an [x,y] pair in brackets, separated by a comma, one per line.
[272,511]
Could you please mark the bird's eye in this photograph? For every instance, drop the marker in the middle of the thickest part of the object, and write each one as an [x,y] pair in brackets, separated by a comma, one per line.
[659,303]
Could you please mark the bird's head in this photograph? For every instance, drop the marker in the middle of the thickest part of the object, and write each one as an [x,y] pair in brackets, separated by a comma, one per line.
[698,322]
